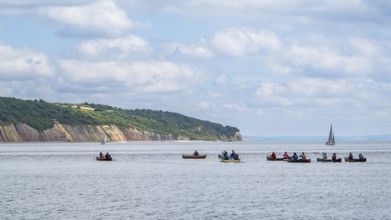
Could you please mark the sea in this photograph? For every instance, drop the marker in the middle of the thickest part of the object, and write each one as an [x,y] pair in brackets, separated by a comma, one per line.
[150,180]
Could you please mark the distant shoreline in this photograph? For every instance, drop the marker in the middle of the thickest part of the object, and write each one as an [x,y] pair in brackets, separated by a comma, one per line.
[320,139]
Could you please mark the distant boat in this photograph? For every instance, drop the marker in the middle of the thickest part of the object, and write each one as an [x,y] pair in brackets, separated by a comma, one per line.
[191,156]
[104,140]
[331,140]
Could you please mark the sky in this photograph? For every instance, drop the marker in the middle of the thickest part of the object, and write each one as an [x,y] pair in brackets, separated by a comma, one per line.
[269,68]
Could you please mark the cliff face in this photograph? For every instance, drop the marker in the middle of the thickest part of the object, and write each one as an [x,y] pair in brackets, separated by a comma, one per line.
[20,132]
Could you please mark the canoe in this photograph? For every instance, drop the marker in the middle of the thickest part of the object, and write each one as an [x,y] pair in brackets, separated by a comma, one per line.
[328,160]
[324,160]
[190,156]
[104,159]
[355,160]
[299,161]
[277,159]
[231,161]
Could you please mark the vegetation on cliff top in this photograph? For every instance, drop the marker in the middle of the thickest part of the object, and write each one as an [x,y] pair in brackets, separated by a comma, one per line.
[41,116]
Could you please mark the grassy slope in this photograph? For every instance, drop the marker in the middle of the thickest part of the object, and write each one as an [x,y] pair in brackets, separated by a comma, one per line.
[41,114]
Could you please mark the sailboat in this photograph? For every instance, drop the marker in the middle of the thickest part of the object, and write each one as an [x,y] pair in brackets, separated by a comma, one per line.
[331,140]
[104,140]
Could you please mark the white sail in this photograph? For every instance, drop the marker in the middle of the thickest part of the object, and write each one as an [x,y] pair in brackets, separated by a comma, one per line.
[104,140]
[331,140]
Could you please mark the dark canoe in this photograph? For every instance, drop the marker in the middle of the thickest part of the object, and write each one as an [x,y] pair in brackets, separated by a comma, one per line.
[190,156]
[299,161]
[329,160]
[324,160]
[104,158]
[355,160]
[277,159]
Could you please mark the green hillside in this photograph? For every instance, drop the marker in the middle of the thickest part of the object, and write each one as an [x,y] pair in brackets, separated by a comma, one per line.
[41,115]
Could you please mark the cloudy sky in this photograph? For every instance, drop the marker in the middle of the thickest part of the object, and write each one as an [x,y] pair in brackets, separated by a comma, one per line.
[270,68]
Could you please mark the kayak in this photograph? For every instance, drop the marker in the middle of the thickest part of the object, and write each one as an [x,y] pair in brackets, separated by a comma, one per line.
[355,160]
[299,161]
[277,159]
[104,158]
[190,156]
[328,160]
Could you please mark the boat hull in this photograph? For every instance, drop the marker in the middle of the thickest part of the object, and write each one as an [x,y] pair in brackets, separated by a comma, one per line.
[355,160]
[104,159]
[299,161]
[329,160]
[231,161]
[189,156]
[277,159]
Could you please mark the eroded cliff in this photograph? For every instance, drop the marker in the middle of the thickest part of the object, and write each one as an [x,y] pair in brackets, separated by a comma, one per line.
[20,132]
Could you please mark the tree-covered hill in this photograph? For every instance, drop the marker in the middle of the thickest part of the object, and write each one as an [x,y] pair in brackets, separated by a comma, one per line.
[42,115]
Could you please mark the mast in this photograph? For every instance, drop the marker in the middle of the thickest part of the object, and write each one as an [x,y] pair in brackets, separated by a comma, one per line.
[331,133]
[333,139]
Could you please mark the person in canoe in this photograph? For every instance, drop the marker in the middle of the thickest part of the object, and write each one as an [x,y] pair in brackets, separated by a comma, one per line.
[324,154]
[107,156]
[334,157]
[286,155]
[225,154]
[196,153]
[294,156]
[303,156]
[350,156]
[361,156]
[234,155]
[101,155]
[273,156]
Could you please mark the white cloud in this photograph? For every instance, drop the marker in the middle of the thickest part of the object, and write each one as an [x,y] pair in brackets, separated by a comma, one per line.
[22,64]
[363,47]
[267,12]
[103,18]
[319,87]
[152,76]
[236,108]
[120,46]
[192,50]
[92,73]
[328,60]
[245,41]
[319,93]
[273,94]
[164,76]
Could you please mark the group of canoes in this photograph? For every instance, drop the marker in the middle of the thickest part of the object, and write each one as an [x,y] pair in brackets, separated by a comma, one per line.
[303,158]
[291,159]
[234,157]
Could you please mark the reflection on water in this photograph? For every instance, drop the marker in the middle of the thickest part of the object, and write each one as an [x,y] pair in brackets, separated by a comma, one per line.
[150,180]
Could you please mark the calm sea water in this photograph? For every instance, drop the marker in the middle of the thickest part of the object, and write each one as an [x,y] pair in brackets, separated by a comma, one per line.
[150,180]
